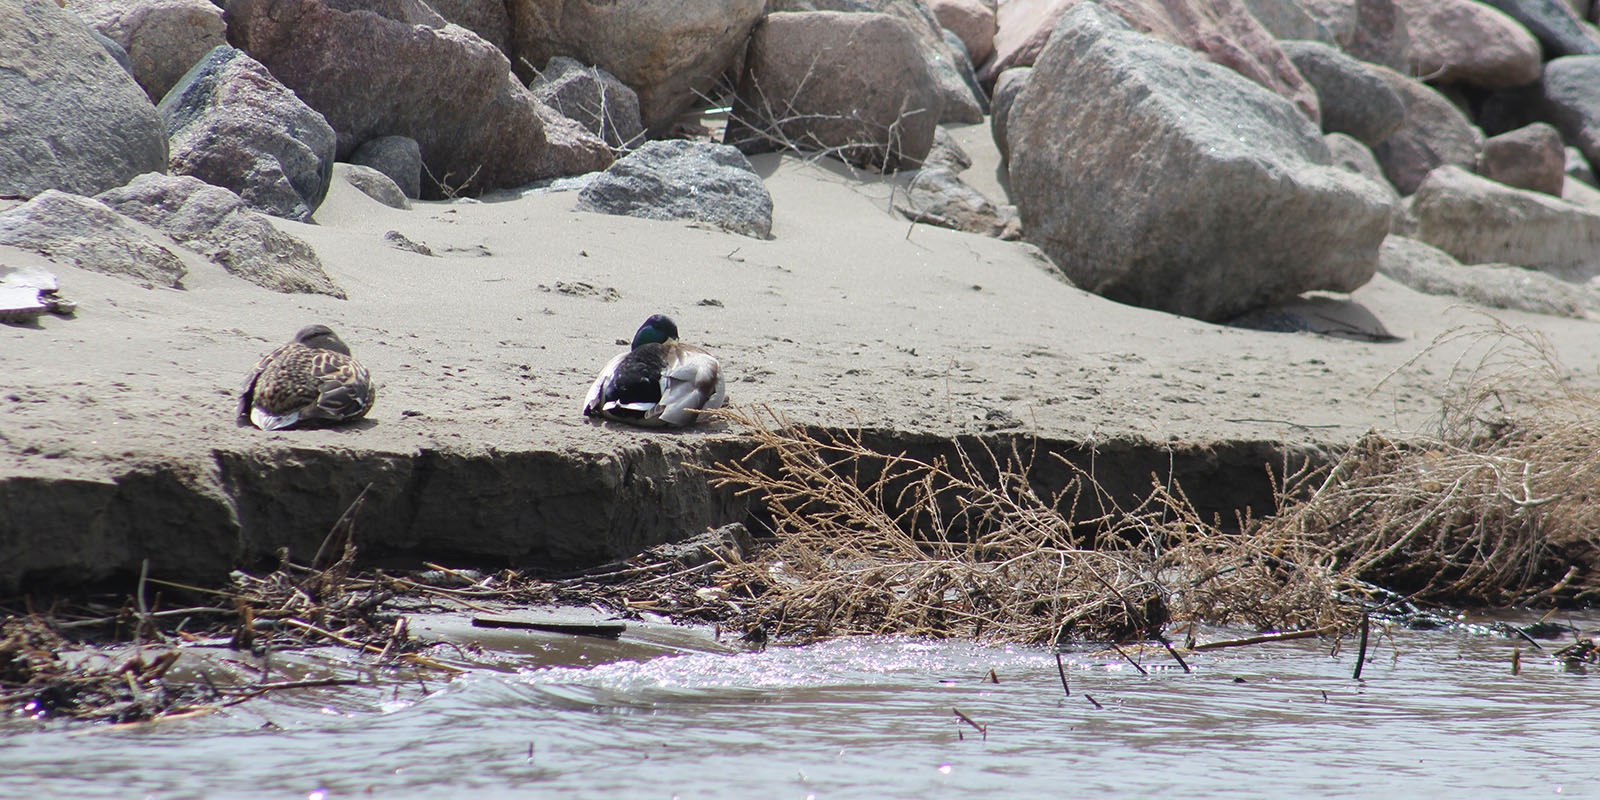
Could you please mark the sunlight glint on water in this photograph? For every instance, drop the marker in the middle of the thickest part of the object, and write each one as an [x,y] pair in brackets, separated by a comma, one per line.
[874,718]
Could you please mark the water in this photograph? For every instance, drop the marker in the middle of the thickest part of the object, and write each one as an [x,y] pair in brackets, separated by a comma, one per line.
[1438,713]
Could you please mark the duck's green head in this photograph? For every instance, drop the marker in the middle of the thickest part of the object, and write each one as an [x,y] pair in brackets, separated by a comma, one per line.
[658,329]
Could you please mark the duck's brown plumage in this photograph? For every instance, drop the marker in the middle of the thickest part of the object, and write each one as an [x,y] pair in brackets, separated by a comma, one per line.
[312,380]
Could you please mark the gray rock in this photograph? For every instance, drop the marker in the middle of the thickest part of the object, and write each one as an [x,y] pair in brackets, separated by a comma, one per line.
[487,18]
[672,52]
[592,97]
[1258,216]
[960,110]
[85,233]
[408,12]
[1572,104]
[1223,30]
[1531,158]
[1435,133]
[372,75]
[1480,222]
[1430,270]
[163,38]
[398,157]
[576,183]
[937,196]
[947,152]
[117,51]
[1337,17]
[234,125]
[1289,21]
[946,59]
[1380,35]
[851,84]
[1354,98]
[1560,31]
[1348,152]
[1006,88]
[73,119]
[678,179]
[373,184]
[1577,167]
[1581,194]
[1021,30]
[218,224]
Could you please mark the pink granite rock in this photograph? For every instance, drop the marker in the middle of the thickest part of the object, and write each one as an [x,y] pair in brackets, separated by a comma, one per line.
[370,75]
[670,52]
[1530,158]
[973,21]
[163,38]
[1371,30]
[1223,30]
[1461,41]
[1435,133]
[853,84]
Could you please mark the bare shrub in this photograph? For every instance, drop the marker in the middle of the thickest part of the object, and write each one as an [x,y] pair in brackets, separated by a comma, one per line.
[448,188]
[870,542]
[1502,506]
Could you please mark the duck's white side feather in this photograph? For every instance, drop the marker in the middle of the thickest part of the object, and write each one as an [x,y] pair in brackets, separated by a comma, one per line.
[691,383]
[273,422]
[597,390]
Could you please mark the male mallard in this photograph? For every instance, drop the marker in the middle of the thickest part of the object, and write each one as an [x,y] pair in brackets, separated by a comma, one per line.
[661,381]
[310,381]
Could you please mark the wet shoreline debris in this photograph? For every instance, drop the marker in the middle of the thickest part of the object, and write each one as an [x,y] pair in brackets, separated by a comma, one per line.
[112,659]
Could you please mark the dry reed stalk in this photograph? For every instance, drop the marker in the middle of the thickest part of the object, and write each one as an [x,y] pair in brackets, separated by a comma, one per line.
[1499,508]
[873,543]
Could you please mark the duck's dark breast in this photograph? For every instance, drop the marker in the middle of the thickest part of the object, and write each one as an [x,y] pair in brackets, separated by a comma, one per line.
[638,377]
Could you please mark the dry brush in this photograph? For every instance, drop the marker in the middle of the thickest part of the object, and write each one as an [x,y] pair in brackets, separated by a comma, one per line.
[1499,507]
[866,542]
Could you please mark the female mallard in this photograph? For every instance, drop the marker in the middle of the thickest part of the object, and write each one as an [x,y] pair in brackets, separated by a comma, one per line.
[661,381]
[310,381]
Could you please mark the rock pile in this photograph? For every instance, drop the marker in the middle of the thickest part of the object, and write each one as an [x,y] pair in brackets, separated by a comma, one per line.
[1205,157]
[1128,195]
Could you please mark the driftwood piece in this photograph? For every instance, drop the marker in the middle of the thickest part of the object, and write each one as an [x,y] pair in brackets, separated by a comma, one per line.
[607,630]
[1278,636]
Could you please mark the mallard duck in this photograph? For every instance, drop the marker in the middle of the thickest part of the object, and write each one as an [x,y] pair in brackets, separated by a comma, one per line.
[311,381]
[660,381]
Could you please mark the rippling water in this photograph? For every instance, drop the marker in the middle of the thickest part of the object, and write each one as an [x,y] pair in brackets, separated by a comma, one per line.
[1437,714]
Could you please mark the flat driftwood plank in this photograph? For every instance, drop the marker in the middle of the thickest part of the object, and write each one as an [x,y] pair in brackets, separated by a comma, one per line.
[608,630]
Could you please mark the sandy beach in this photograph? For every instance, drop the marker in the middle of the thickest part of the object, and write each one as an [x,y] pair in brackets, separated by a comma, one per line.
[848,316]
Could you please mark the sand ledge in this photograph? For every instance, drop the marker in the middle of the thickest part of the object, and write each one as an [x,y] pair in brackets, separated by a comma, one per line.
[117,439]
